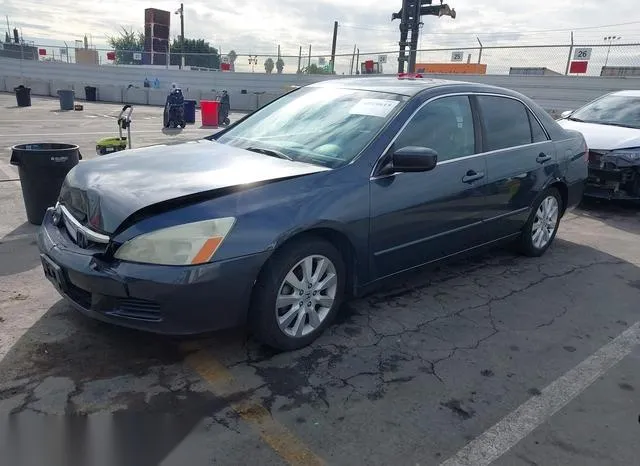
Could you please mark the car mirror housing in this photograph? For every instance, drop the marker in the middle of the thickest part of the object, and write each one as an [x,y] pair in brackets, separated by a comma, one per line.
[414,159]
[566,114]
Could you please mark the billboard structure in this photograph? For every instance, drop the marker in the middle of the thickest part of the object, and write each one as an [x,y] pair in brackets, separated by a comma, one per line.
[451,68]
[156,37]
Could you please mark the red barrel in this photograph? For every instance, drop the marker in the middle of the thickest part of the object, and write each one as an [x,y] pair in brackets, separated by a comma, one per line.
[209,112]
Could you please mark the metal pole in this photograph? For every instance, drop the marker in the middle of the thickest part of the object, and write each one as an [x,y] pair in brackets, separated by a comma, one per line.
[181,35]
[300,60]
[309,64]
[353,59]
[404,28]
[480,53]
[566,71]
[610,39]
[333,46]
[415,31]
[358,61]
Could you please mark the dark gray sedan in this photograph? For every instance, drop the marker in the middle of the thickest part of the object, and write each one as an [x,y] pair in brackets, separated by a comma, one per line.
[316,197]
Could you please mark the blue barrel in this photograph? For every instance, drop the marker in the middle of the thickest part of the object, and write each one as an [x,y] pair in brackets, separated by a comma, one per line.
[190,111]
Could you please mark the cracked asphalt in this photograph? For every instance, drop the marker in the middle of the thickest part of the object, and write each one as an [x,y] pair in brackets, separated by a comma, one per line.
[406,376]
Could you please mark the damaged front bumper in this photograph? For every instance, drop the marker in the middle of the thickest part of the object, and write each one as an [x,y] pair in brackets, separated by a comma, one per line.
[612,176]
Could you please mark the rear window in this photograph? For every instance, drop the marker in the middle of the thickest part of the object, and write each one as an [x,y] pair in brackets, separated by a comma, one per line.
[506,122]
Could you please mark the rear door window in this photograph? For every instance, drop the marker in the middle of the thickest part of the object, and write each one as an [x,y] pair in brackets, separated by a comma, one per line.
[506,122]
[537,133]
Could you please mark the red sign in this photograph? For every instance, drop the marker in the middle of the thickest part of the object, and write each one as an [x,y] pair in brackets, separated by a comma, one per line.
[368,66]
[42,51]
[225,66]
[578,67]
[111,55]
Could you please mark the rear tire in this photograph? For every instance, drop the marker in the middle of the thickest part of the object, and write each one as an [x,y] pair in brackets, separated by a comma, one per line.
[298,294]
[542,225]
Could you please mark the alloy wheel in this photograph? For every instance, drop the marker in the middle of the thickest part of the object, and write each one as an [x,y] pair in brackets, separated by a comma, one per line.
[545,222]
[306,296]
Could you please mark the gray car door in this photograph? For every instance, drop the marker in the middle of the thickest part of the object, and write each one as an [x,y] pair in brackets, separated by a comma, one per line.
[417,218]
[520,159]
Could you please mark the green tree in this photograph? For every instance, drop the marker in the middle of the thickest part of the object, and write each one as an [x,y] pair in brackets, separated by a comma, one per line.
[125,44]
[280,65]
[197,52]
[315,69]
[269,65]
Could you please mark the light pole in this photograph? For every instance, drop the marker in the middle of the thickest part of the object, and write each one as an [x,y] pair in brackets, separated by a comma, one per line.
[181,13]
[610,39]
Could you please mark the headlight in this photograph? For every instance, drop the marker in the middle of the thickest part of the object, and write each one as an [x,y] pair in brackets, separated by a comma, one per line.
[189,244]
[630,155]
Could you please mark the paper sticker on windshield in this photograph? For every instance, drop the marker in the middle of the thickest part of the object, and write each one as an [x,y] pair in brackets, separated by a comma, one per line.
[374,107]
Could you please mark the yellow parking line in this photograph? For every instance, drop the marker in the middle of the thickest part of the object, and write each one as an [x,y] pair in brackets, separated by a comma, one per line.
[276,435]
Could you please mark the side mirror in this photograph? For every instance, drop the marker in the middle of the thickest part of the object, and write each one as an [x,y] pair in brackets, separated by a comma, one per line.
[566,114]
[414,159]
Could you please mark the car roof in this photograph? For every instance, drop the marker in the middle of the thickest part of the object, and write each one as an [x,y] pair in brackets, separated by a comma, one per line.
[390,84]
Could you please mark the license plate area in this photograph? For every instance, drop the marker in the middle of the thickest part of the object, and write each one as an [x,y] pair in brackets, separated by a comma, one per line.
[53,272]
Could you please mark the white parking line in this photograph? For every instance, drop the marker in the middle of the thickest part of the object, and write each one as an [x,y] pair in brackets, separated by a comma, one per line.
[500,438]
[10,174]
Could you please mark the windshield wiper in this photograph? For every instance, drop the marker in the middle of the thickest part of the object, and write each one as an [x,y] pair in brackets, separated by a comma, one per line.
[576,119]
[269,152]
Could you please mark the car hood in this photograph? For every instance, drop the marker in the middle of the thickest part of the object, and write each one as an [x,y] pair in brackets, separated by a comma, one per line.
[101,193]
[604,137]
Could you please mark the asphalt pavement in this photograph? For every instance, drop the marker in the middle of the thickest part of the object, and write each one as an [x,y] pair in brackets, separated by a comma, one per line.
[498,359]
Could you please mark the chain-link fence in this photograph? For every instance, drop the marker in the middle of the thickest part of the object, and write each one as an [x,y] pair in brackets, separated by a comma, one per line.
[619,59]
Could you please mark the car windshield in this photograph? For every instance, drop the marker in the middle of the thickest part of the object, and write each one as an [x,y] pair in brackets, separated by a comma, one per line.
[324,126]
[616,110]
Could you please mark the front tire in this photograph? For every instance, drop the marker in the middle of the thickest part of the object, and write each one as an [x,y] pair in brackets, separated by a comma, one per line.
[542,226]
[298,294]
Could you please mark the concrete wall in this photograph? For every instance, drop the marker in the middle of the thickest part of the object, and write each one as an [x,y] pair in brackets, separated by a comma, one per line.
[249,91]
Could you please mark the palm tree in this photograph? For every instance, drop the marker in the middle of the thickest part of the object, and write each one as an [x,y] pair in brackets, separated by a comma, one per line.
[233,56]
[269,65]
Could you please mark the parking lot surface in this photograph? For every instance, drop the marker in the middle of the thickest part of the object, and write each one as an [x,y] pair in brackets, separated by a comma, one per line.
[498,359]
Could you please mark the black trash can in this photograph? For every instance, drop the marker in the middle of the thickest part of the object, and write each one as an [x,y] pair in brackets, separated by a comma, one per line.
[91,93]
[190,111]
[42,168]
[23,96]
[67,99]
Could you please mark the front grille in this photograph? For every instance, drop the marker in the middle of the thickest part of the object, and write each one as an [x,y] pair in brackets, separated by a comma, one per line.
[77,235]
[139,309]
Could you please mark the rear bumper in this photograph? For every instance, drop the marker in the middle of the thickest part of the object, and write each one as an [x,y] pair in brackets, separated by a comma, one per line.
[575,191]
[160,299]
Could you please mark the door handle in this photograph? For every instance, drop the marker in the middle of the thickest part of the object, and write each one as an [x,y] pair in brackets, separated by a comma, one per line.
[472,176]
[543,158]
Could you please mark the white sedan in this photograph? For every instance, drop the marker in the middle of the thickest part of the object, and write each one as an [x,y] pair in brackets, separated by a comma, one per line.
[611,127]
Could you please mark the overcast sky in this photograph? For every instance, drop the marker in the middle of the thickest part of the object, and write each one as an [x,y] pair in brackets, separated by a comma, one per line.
[258,26]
